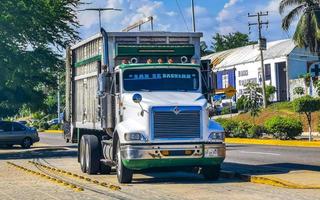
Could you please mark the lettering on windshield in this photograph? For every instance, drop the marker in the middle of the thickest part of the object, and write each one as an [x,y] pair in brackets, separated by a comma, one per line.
[159,76]
[161,79]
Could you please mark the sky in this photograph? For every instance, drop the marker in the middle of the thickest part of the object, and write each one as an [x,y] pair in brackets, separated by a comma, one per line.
[212,16]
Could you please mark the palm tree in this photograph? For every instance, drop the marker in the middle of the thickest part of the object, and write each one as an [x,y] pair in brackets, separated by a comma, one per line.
[307,33]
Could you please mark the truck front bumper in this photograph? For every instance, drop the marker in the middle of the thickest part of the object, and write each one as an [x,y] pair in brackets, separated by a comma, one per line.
[138,157]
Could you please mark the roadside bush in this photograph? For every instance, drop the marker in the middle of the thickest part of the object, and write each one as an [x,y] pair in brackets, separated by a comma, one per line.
[241,103]
[228,125]
[241,130]
[43,125]
[283,127]
[255,131]
[55,127]
[225,110]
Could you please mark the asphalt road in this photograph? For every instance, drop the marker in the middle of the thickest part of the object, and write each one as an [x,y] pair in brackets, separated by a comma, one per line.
[151,185]
[250,159]
[258,159]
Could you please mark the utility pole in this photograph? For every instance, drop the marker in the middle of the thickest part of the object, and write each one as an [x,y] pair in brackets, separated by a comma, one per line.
[193,16]
[262,46]
[100,10]
[58,99]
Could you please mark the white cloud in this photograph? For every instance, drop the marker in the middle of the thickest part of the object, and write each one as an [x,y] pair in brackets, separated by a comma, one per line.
[171,13]
[198,11]
[223,15]
[230,3]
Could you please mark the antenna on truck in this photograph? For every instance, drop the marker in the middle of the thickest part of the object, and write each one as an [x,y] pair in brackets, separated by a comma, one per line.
[139,23]
[100,10]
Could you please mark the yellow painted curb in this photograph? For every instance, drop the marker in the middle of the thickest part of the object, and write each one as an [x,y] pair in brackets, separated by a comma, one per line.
[280,183]
[52,131]
[293,143]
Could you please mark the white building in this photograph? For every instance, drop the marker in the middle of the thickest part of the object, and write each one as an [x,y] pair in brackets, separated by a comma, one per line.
[283,62]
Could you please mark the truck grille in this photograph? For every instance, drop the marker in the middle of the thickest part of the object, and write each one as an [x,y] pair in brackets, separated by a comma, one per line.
[176,122]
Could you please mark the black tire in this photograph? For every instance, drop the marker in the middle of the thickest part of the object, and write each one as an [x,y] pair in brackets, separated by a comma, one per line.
[104,169]
[124,174]
[92,154]
[211,172]
[82,153]
[26,143]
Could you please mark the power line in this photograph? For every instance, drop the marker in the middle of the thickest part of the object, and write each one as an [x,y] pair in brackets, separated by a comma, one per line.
[181,13]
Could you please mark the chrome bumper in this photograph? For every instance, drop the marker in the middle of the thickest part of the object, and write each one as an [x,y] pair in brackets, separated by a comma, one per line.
[168,151]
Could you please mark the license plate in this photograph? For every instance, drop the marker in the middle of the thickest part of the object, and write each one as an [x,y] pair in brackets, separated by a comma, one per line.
[209,153]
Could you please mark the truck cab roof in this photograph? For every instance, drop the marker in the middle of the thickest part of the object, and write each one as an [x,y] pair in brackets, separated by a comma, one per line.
[141,65]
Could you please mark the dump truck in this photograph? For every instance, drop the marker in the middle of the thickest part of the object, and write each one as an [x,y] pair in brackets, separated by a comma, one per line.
[139,100]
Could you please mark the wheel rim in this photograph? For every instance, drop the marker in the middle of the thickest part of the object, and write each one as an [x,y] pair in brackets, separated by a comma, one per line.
[118,161]
[27,142]
[87,156]
[82,156]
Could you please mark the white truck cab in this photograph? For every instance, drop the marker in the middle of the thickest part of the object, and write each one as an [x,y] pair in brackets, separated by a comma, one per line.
[150,114]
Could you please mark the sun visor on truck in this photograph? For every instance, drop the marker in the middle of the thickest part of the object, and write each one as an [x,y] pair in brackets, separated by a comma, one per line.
[154,50]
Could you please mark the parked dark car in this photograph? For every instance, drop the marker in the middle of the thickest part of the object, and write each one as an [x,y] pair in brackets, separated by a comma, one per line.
[12,133]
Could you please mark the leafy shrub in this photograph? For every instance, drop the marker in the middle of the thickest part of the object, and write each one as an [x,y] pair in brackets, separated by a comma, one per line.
[225,110]
[228,125]
[55,127]
[270,90]
[283,127]
[298,90]
[241,103]
[255,131]
[241,130]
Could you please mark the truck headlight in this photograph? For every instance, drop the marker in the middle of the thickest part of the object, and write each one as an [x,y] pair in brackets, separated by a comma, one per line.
[216,136]
[134,137]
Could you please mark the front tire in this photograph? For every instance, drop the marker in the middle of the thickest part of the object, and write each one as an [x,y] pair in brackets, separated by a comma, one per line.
[211,173]
[26,143]
[124,174]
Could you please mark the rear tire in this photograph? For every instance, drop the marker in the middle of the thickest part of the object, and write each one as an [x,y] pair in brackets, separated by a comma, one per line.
[82,153]
[124,174]
[211,172]
[92,154]
[26,143]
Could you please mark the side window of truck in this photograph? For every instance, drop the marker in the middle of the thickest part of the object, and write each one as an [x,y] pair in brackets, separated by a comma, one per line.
[117,83]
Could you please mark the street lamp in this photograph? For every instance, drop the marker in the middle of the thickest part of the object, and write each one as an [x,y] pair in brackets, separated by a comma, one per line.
[101,10]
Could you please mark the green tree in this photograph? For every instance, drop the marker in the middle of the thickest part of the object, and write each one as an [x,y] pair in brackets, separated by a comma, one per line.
[204,50]
[252,99]
[270,90]
[307,105]
[307,33]
[229,41]
[33,35]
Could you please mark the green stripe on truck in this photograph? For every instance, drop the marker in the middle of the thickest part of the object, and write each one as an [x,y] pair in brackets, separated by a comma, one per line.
[174,162]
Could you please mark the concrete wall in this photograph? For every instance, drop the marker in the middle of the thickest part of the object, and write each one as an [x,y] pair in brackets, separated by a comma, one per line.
[299,82]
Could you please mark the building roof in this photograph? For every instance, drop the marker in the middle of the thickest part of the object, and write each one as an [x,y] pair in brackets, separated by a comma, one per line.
[250,53]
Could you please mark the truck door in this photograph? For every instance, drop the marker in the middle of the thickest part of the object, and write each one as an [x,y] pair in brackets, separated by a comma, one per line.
[206,78]
[117,99]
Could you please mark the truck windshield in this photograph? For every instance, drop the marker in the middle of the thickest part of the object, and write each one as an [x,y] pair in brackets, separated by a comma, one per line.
[161,79]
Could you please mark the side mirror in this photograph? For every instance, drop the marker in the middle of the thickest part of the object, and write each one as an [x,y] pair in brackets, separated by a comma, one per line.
[137,98]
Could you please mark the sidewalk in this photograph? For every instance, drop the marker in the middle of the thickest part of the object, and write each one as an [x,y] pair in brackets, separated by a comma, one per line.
[293,179]
[293,143]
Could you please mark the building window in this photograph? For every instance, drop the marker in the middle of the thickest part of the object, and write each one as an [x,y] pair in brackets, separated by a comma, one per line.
[267,71]
[243,73]
[225,81]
